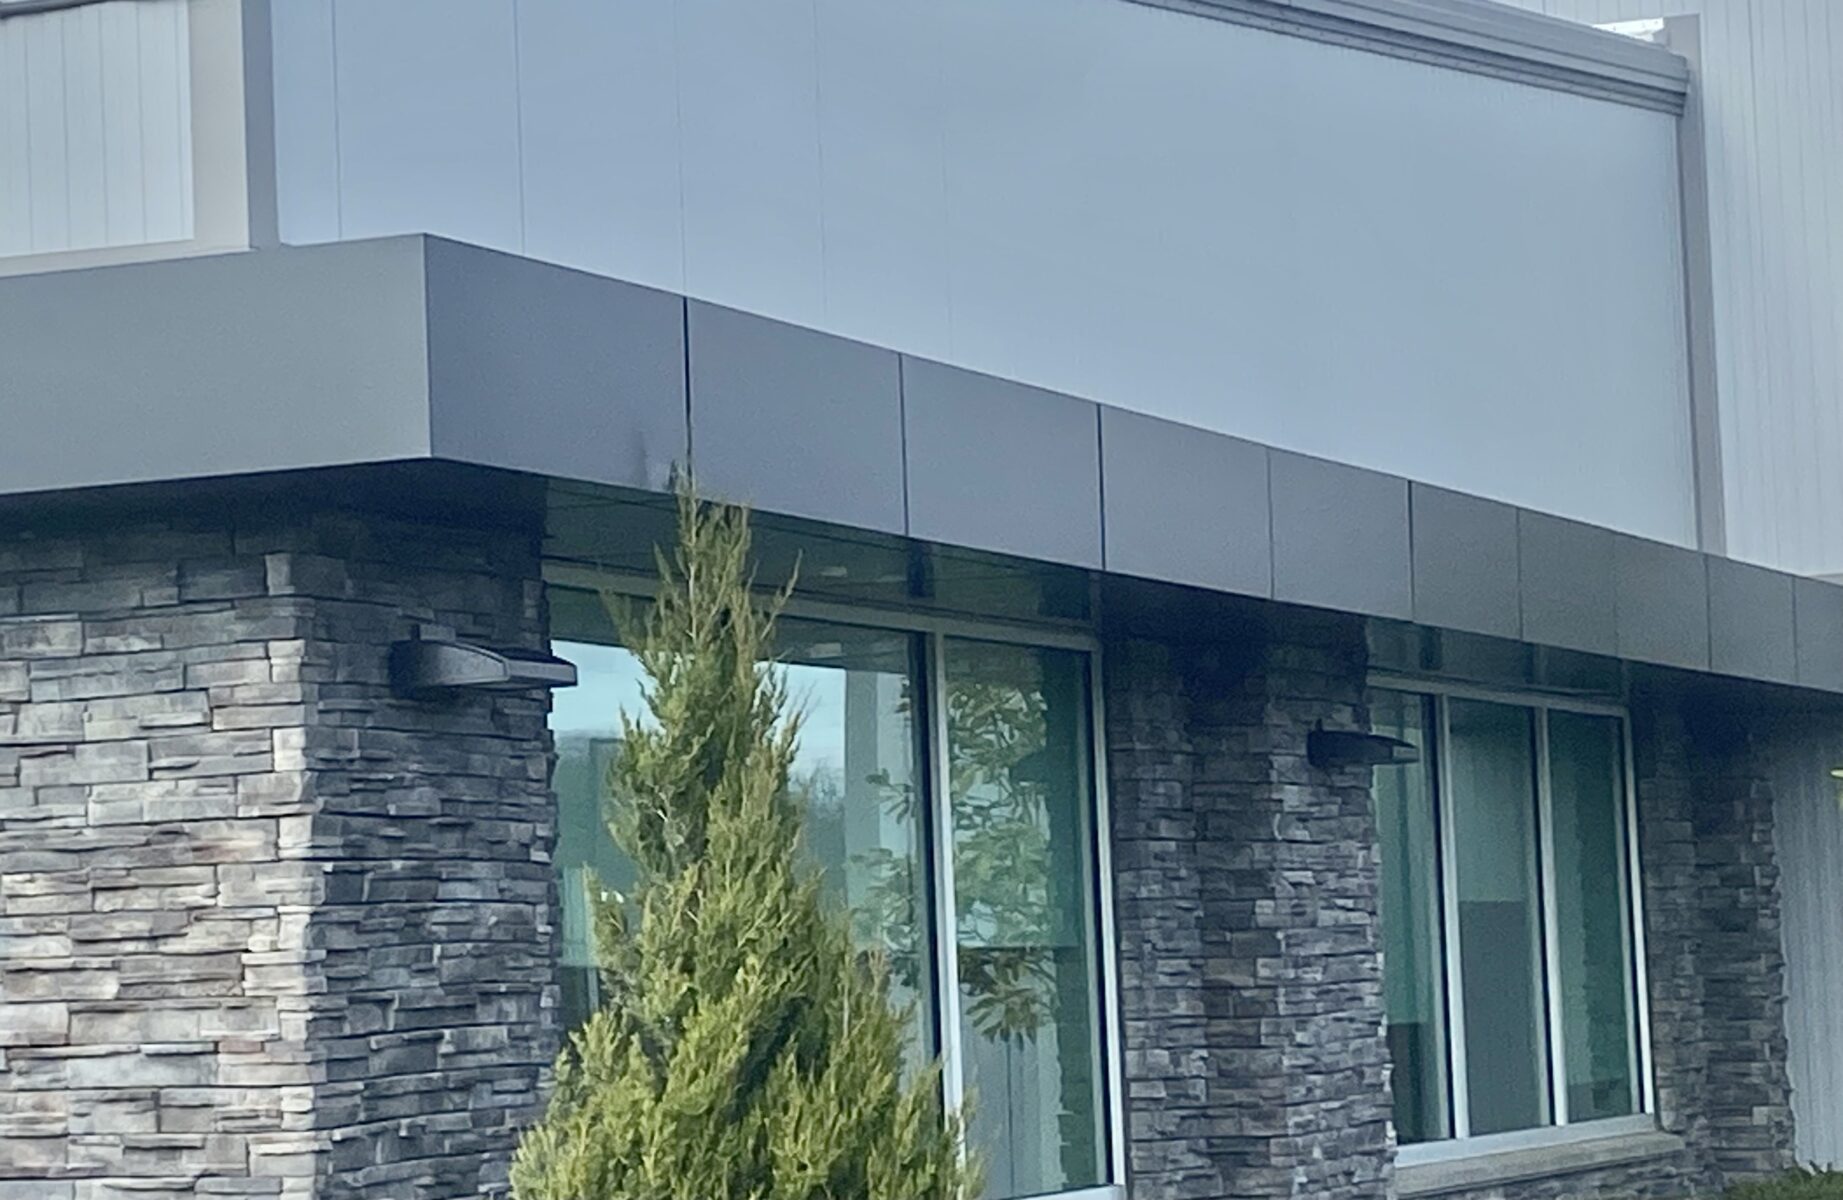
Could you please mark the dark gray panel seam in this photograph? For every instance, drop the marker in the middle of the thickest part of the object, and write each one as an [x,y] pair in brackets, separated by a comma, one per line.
[1414,591]
[684,325]
[1100,481]
[1708,613]
[1273,546]
[1798,649]
[428,345]
[902,431]
[1522,616]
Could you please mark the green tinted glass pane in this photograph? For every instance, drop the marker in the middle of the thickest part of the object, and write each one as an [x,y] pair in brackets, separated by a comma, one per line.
[857,772]
[1413,954]
[585,723]
[1586,772]
[1019,787]
[1493,810]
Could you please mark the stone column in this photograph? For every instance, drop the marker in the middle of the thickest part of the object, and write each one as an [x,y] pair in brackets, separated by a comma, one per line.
[1247,888]
[265,930]
[1716,961]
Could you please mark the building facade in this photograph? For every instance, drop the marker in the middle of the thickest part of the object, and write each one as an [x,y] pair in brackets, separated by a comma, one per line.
[1257,482]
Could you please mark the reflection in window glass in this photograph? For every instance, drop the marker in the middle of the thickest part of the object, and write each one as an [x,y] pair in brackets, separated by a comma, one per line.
[1023,875]
[1585,768]
[857,771]
[1411,921]
[585,723]
[1493,810]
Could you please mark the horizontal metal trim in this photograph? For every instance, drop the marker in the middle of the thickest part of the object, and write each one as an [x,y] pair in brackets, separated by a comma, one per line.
[589,578]
[1525,696]
[1483,39]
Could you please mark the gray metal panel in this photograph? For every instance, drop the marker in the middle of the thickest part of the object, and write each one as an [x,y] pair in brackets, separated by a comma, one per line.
[1185,505]
[1751,622]
[538,368]
[1818,622]
[1000,466]
[1465,562]
[1340,537]
[206,366]
[1662,603]
[1566,581]
[795,421]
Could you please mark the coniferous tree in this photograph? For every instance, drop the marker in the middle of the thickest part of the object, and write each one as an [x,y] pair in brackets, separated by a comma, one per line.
[746,1049]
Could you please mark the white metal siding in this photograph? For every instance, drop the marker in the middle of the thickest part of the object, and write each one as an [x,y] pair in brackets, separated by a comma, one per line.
[1773,102]
[1809,817]
[95,127]
[1460,279]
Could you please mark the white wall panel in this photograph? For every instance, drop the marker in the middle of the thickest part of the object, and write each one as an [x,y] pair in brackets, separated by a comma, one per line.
[1460,279]
[303,67]
[1809,832]
[15,149]
[85,129]
[748,106]
[96,128]
[1773,103]
[598,118]
[428,119]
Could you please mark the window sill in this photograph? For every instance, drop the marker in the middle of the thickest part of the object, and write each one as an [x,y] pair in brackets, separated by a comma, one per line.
[1536,1162]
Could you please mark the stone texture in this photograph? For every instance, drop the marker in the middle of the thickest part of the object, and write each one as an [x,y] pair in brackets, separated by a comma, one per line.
[1247,885]
[266,930]
[1714,956]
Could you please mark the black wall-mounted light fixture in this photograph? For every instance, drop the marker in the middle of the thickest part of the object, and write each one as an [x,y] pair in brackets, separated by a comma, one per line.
[1328,749]
[434,663]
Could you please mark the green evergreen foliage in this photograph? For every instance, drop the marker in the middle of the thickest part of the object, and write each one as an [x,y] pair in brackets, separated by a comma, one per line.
[746,1050]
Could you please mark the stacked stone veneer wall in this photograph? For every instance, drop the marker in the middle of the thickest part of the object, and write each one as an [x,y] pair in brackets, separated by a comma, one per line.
[1247,885]
[265,930]
[1717,958]
[1250,956]
[1714,958]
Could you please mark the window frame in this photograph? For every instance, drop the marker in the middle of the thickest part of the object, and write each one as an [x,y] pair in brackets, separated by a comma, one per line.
[934,629]
[1462,1143]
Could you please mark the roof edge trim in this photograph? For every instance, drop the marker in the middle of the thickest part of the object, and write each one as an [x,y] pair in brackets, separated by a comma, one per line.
[1481,38]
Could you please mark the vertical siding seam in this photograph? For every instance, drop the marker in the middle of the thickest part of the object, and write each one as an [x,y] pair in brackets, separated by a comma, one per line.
[339,146]
[518,120]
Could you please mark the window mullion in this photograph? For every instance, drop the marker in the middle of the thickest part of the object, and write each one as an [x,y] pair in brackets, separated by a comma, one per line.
[1458,1083]
[1100,835]
[1551,942]
[946,944]
[1635,925]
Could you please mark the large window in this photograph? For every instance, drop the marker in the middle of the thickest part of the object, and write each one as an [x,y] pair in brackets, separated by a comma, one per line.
[949,791]
[1510,971]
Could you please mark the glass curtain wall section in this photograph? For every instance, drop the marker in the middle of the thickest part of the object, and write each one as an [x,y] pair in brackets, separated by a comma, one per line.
[1598,1014]
[1495,871]
[1413,941]
[1019,791]
[1509,915]
[950,807]
[858,775]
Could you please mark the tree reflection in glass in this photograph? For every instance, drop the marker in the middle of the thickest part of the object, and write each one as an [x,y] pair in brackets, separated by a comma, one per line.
[1019,787]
